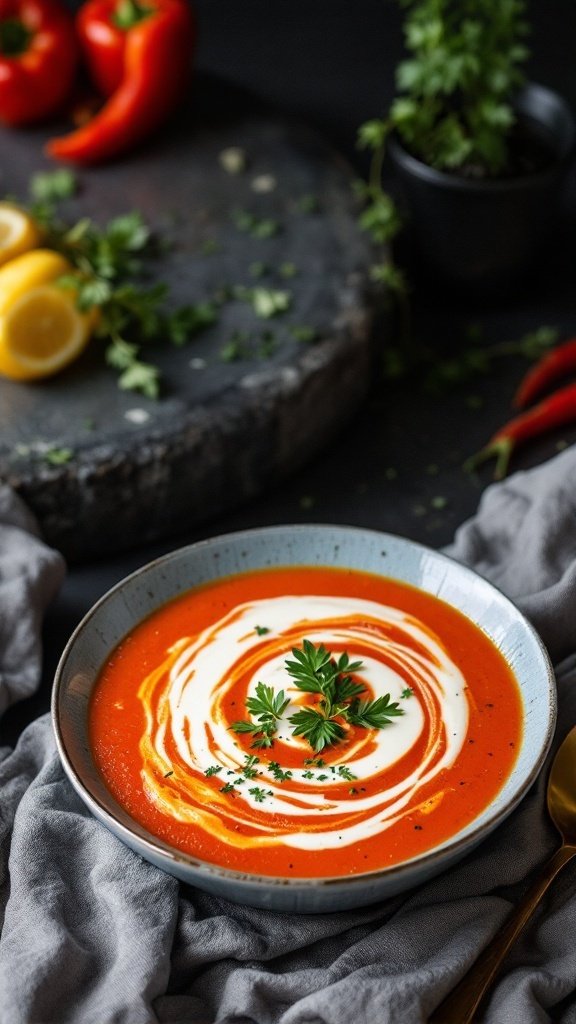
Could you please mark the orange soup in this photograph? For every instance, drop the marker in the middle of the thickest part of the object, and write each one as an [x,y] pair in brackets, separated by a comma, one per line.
[305,722]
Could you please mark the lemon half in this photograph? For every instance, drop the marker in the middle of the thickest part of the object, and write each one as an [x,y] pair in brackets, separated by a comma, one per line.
[41,328]
[18,232]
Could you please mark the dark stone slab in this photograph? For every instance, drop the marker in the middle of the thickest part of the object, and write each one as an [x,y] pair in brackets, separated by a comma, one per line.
[222,431]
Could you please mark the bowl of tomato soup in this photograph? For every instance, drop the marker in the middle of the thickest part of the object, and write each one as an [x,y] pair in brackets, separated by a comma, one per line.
[303,718]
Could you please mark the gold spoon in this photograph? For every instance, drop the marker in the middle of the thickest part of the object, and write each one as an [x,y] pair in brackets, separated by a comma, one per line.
[462,1003]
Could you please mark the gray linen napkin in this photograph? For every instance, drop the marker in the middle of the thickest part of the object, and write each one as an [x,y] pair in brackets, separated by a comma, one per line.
[93,935]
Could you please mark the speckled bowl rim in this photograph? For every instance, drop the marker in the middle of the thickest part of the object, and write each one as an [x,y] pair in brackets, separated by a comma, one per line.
[451,850]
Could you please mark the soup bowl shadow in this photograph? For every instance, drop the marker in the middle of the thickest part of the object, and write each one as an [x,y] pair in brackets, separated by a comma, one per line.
[119,611]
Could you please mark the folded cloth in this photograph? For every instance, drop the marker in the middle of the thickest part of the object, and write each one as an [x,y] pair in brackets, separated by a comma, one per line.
[92,934]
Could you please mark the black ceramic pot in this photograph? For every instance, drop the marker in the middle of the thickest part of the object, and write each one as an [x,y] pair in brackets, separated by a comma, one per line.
[487,236]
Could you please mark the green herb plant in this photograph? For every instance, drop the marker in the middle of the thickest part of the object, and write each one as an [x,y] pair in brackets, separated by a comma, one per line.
[452,107]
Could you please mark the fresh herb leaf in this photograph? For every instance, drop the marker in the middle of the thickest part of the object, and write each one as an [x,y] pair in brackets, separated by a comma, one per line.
[188,321]
[313,726]
[261,630]
[315,671]
[308,203]
[268,707]
[373,714]
[279,774]
[58,456]
[407,692]
[345,773]
[266,703]
[258,227]
[258,269]
[52,186]
[260,794]
[213,770]
[143,377]
[303,333]
[249,770]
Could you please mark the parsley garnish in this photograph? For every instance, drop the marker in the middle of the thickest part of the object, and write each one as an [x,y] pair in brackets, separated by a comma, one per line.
[249,771]
[316,671]
[261,630]
[279,774]
[267,707]
[213,770]
[260,794]
[407,692]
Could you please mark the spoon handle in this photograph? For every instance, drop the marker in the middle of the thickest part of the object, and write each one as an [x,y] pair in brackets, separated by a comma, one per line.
[460,1006]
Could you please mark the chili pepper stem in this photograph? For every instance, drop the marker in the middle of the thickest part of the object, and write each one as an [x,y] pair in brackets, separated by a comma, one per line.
[500,448]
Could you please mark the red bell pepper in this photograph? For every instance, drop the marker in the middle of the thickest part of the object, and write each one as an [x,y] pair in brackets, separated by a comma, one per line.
[38,59]
[140,56]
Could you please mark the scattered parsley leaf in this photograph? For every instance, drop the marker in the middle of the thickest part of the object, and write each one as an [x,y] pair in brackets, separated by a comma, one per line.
[279,774]
[51,186]
[304,333]
[260,794]
[210,246]
[143,377]
[308,203]
[249,770]
[58,456]
[213,770]
[258,227]
[258,269]
[189,320]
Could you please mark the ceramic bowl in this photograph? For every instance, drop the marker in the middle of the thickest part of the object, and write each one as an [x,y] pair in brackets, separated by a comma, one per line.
[141,593]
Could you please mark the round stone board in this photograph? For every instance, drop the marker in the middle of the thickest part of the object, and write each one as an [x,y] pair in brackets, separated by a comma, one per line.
[222,430]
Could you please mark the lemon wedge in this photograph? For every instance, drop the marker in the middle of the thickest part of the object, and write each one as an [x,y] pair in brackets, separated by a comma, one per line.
[18,232]
[41,328]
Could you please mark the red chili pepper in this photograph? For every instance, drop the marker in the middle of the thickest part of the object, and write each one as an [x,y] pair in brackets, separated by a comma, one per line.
[38,59]
[555,411]
[550,367]
[141,57]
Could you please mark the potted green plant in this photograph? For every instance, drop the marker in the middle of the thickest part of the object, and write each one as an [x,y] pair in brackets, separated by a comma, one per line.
[480,153]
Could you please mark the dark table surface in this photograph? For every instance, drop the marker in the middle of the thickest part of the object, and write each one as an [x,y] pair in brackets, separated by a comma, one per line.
[397,466]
